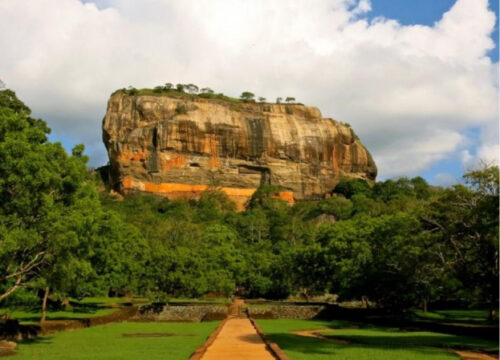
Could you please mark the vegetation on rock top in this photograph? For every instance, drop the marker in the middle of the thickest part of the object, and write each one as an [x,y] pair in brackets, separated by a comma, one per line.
[192,91]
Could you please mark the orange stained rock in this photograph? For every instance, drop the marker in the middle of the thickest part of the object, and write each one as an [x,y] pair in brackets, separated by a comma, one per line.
[127,183]
[214,162]
[239,196]
[238,339]
[287,196]
[176,162]
[128,157]
[130,183]
[210,147]
[165,188]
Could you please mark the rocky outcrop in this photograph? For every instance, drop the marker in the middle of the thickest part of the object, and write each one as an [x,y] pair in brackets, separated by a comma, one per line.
[178,146]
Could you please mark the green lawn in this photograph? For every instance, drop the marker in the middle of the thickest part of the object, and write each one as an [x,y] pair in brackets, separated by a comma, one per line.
[370,343]
[466,316]
[32,316]
[173,341]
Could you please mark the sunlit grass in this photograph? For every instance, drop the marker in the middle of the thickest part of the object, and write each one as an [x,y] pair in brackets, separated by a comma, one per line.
[174,341]
[366,342]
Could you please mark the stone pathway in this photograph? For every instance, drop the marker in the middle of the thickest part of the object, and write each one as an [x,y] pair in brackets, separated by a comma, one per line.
[470,355]
[238,339]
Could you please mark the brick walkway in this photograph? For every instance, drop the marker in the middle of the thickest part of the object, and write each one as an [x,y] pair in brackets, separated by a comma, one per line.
[237,340]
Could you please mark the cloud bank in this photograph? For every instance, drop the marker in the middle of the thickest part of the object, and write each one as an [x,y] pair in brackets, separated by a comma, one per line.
[410,92]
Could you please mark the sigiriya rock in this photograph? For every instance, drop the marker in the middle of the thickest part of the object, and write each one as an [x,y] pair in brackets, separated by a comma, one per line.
[178,145]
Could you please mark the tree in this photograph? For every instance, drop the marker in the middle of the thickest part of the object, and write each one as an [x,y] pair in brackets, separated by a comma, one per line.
[351,187]
[247,96]
[168,86]
[158,89]
[375,259]
[278,100]
[339,207]
[191,88]
[206,90]
[180,87]
[262,99]
[45,197]
[464,223]
[290,99]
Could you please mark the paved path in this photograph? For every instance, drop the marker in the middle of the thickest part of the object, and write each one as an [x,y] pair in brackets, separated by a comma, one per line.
[238,339]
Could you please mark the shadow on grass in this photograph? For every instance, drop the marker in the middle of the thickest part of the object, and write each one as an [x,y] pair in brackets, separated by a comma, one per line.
[458,316]
[44,340]
[32,314]
[437,341]
[312,346]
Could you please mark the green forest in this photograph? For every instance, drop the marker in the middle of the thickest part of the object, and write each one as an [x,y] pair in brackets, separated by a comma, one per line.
[396,244]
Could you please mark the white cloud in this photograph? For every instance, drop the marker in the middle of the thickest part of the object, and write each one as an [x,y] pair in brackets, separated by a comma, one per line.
[486,154]
[408,91]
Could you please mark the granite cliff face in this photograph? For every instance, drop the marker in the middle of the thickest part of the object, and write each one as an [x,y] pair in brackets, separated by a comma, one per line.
[179,146]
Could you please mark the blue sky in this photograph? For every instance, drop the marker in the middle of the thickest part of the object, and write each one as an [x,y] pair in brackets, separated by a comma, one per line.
[423,99]
[427,12]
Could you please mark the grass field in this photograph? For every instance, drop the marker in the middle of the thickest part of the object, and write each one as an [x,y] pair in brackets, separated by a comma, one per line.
[370,343]
[31,316]
[173,341]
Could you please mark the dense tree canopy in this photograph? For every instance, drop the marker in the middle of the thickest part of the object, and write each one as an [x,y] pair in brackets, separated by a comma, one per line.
[395,244]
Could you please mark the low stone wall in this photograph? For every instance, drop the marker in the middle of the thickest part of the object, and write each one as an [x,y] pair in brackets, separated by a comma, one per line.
[10,329]
[285,311]
[181,312]
[52,326]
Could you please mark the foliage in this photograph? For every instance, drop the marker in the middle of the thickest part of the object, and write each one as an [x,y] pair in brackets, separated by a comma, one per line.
[396,244]
[53,230]
[247,95]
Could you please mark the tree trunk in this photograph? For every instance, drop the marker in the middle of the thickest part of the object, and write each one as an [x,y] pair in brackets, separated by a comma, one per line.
[365,302]
[493,316]
[424,305]
[13,288]
[44,305]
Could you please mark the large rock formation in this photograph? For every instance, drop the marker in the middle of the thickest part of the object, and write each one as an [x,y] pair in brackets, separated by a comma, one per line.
[179,146]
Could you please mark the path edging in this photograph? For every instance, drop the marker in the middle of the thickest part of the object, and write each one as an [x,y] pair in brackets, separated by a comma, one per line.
[202,349]
[271,346]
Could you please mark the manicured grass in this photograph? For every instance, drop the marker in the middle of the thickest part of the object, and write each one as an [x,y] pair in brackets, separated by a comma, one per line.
[31,316]
[370,343]
[108,342]
[466,316]
[388,336]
